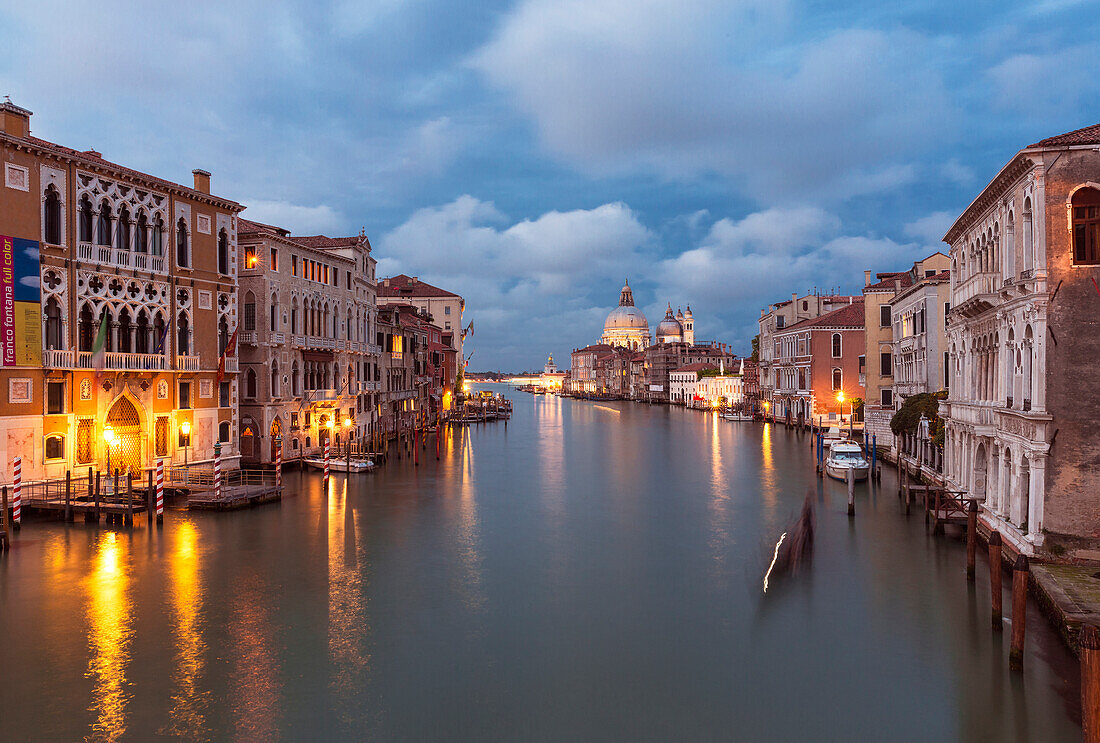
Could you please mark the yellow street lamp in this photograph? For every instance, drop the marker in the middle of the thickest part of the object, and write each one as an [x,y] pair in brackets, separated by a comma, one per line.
[110,437]
[185,429]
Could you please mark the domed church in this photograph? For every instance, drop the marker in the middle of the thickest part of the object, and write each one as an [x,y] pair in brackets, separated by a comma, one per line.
[626,325]
[677,329]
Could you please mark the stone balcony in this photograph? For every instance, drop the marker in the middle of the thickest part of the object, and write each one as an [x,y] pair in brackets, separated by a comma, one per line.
[112,361]
[105,255]
[976,294]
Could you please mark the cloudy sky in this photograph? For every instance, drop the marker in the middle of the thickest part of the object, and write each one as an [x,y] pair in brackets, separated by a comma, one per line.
[533,154]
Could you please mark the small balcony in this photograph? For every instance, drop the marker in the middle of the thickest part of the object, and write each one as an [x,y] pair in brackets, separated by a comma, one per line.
[277,339]
[187,363]
[105,255]
[232,364]
[976,294]
[249,338]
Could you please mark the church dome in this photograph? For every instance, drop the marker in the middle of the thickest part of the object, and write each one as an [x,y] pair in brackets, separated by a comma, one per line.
[669,329]
[626,318]
[626,324]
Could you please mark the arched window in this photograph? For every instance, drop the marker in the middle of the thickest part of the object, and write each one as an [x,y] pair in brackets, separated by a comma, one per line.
[295,381]
[124,330]
[105,319]
[272,313]
[103,231]
[249,312]
[1086,227]
[122,234]
[157,245]
[294,316]
[141,235]
[1028,236]
[1029,361]
[1010,247]
[141,336]
[53,324]
[836,345]
[86,328]
[223,431]
[838,380]
[85,220]
[183,335]
[52,216]
[223,335]
[183,257]
[250,384]
[158,333]
[223,252]
[274,378]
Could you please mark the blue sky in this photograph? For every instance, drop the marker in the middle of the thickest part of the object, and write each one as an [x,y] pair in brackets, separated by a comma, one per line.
[531,155]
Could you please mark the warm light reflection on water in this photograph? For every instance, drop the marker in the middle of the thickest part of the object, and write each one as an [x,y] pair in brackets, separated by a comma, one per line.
[254,696]
[718,504]
[768,488]
[110,632]
[189,702]
[347,620]
[469,538]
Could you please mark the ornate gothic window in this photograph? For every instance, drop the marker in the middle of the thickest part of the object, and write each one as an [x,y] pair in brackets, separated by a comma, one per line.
[141,236]
[122,234]
[223,252]
[158,237]
[103,231]
[85,220]
[53,324]
[183,336]
[183,257]
[52,217]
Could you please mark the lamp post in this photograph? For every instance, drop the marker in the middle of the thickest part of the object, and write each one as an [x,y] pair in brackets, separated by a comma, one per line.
[110,437]
[185,429]
[347,435]
[851,411]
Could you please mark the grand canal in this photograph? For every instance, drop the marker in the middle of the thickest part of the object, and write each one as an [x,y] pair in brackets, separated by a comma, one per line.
[592,571]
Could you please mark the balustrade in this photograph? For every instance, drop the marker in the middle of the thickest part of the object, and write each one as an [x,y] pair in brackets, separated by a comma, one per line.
[105,255]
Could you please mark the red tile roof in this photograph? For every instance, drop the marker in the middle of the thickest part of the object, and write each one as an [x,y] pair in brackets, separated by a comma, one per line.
[597,348]
[407,286]
[848,316]
[701,366]
[95,158]
[248,227]
[323,241]
[1087,135]
[888,280]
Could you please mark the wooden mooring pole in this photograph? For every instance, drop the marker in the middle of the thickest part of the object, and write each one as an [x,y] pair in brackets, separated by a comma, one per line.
[1019,613]
[995,580]
[150,510]
[1089,644]
[97,479]
[971,539]
[68,495]
[5,534]
[851,492]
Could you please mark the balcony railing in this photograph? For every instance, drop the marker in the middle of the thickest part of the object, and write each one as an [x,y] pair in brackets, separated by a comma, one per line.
[278,339]
[250,338]
[111,361]
[373,348]
[187,363]
[980,283]
[232,364]
[105,255]
[341,344]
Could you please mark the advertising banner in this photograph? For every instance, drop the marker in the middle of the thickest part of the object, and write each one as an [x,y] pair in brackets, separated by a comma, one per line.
[20,302]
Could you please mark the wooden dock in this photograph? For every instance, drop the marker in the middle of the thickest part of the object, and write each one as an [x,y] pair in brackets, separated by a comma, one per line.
[239,489]
[92,495]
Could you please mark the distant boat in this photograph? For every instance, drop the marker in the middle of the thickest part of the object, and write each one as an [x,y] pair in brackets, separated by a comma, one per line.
[735,416]
[844,457]
[340,464]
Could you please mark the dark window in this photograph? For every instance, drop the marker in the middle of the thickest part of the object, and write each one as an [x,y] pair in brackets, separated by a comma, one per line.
[1086,227]
[85,220]
[884,316]
[55,447]
[103,231]
[836,345]
[250,384]
[780,322]
[55,398]
[929,272]
[885,364]
[887,398]
[52,216]
[182,255]
[223,431]
[183,335]
[274,259]
[947,371]
[224,394]
[53,324]
[837,379]
[223,252]
[184,396]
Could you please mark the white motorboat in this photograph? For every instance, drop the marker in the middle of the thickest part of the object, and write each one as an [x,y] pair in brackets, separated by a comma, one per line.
[340,464]
[735,416]
[845,456]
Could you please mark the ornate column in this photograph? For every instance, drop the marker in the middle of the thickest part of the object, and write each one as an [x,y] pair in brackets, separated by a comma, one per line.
[1037,462]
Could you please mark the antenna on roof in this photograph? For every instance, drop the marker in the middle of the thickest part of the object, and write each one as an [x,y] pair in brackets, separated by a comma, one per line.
[7,99]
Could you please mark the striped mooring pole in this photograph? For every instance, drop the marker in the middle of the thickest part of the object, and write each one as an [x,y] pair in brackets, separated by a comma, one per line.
[160,491]
[326,461]
[278,462]
[17,494]
[217,470]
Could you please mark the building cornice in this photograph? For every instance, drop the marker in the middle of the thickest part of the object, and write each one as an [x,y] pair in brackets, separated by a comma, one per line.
[1015,169]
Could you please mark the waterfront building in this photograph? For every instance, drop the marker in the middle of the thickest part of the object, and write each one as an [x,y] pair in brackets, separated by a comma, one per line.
[779,316]
[584,364]
[111,272]
[551,378]
[878,296]
[1021,428]
[407,398]
[706,386]
[818,366]
[445,308]
[682,383]
[662,359]
[626,325]
[307,356]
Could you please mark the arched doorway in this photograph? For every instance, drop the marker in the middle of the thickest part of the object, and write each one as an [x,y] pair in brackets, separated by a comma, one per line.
[248,438]
[125,420]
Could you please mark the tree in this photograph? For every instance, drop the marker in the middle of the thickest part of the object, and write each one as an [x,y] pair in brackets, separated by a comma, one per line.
[756,348]
[908,416]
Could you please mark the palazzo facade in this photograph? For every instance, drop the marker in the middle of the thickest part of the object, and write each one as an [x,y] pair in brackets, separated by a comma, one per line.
[109,273]
[1021,418]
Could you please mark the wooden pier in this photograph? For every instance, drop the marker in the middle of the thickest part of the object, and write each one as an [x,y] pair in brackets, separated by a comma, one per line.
[239,488]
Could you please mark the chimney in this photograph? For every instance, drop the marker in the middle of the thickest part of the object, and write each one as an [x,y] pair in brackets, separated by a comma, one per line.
[867,277]
[14,121]
[897,286]
[202,180]
[414,279]
[794,296]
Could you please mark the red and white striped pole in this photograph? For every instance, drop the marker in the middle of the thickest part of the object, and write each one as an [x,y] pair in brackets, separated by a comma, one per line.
[326,461]
[217,470]
[278,462]
[17,494]
[160,491]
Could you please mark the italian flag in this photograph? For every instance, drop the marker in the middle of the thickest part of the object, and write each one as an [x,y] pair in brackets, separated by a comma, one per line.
[99,348]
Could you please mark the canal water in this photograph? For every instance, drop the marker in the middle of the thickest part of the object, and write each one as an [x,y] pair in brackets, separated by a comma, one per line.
[590,572]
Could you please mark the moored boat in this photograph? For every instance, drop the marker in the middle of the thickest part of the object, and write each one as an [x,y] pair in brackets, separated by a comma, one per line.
[735,416]
[844,457]
[340,464]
